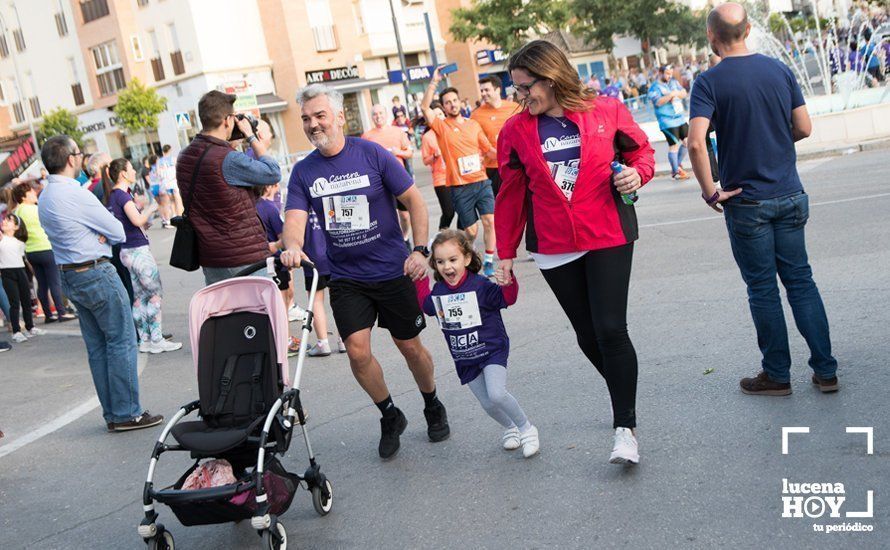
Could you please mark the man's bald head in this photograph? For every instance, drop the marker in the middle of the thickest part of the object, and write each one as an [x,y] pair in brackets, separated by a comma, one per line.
[728,23]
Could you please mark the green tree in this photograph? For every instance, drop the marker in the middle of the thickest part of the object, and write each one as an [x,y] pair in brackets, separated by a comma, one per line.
[138,107]
[653,22]
[508,24]
[57,122]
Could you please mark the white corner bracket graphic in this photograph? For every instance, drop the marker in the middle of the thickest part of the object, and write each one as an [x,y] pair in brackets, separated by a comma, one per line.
[869,432]
[791,430]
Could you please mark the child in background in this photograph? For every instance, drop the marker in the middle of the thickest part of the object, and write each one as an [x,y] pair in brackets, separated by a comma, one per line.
[467,306]
[15,277]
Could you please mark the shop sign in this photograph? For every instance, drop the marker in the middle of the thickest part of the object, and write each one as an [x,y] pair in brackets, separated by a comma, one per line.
[332,75]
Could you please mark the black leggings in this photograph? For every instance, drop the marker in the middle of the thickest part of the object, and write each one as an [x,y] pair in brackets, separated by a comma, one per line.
[592,291]
[443,193]
[49,281]
[15,283]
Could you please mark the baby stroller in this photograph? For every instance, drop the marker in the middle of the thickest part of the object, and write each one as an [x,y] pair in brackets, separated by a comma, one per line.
[239,331]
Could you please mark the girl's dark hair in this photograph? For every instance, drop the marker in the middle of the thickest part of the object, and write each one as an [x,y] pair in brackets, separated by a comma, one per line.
[22,232]
[116,168]
[152,160]
[463,243]
[20,190]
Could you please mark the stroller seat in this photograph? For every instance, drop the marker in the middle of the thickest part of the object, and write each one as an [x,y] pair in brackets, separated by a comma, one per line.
[202,439]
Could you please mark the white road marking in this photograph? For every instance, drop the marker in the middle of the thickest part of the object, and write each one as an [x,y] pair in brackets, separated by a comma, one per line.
[63,420]
[719,217]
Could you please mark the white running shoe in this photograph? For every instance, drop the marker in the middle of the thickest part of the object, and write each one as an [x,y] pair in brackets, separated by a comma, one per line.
[36,332]
[511,439]
[320,349]
[341,347]
[18,338]
[144,347]
[163,345]
[529,442]
[296,313]
[625,450]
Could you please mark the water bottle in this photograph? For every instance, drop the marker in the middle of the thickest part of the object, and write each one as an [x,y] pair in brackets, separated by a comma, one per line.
[628,199]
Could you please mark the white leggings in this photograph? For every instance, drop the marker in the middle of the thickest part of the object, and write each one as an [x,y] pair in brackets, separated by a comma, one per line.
[490,388]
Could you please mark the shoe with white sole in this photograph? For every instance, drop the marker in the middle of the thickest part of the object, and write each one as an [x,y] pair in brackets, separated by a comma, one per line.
[18,338]
[296,313]
[625,449]
[163,345]
[36,332]
[511,439]
[144,347]
[529,442]
[320,349]
[341,347]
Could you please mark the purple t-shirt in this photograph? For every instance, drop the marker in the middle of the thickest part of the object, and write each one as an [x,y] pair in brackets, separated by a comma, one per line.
[271,218]
[135,235]
[352,193]
[561,145]
[314,245]
[470,318]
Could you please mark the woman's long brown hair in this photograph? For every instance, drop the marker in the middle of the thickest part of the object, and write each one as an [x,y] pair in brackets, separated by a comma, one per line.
[543,60]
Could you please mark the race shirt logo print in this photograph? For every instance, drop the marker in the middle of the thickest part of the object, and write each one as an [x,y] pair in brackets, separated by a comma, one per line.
[560,144]
[322,187]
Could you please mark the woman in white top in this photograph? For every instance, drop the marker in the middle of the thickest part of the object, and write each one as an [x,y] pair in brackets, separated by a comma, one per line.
[15,277]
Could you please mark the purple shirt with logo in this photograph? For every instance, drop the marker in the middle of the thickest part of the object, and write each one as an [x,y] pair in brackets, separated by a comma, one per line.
[470,318]
[314,245]
[353,194]
[135,235]
[561,146]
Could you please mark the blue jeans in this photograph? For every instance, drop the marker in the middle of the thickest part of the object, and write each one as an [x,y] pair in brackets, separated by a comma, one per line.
[4,304]
[767,239]
[106,323]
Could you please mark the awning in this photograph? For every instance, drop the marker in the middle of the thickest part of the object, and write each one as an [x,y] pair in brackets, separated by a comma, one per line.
[270,103]
[356,84]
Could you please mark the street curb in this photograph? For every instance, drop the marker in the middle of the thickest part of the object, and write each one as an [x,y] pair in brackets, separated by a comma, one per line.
[871,145]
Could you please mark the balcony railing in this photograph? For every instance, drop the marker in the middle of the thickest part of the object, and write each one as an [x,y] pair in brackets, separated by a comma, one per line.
[77,92]
[157,68]
[178,63]
[110,82]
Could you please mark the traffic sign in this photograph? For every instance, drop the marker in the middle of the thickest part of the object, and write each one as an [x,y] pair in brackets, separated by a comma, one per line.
[183,121]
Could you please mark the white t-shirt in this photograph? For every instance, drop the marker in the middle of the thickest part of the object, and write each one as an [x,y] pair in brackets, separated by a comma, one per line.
[551,261]
[12,252]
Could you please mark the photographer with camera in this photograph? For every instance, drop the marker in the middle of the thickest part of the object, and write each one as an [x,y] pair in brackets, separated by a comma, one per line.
[214,180]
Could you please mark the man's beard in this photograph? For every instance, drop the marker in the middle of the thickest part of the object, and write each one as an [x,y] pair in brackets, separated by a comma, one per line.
[320,139]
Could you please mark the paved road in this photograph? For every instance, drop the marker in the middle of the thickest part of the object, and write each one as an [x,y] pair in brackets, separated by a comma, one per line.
[712,469]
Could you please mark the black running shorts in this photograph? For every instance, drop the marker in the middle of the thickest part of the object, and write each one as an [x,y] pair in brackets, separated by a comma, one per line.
[323,281]
[392,304]
[676,134]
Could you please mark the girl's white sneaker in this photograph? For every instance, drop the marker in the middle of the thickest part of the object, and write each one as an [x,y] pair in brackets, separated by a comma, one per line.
[529,442]
[511,439]
[625,449]
[18,338]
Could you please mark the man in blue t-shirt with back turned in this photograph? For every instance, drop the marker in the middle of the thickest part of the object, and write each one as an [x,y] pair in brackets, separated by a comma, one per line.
[758,111]
[352,185]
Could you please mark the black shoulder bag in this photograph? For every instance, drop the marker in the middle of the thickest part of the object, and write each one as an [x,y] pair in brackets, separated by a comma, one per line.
[184,254]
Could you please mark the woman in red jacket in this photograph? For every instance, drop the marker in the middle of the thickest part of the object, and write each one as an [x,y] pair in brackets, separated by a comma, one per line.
[554,158]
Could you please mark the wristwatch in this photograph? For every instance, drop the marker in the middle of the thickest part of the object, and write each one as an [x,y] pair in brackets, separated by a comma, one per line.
[422,249]
[251,138]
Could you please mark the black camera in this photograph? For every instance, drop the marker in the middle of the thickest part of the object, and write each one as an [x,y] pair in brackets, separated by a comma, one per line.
[237,133]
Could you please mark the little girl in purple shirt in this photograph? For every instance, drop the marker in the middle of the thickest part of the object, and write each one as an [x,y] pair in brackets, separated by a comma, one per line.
[467,307]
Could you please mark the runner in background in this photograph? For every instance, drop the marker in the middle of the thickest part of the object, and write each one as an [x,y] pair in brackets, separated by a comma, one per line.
[167,169]
[492,115]
[667,95]
[463,144]
[432,157]
[395,140]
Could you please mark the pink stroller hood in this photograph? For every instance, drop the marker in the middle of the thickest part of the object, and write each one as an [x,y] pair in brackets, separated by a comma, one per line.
[252,294]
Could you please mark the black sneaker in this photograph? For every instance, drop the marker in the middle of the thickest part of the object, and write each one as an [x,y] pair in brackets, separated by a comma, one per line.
[4,346]
[144,420]
[390,430]
[826,385]
[437,422]
[764,385]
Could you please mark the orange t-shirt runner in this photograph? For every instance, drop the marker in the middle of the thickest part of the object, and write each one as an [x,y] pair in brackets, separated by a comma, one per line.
[388,137]
[429,146]
[463,144]
[492,120]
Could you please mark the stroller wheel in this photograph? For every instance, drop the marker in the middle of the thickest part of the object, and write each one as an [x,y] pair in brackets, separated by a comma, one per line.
[275,541]
[163,541]
[321,503]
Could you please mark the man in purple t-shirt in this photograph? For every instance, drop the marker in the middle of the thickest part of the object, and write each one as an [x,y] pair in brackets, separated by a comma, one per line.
[352,185]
